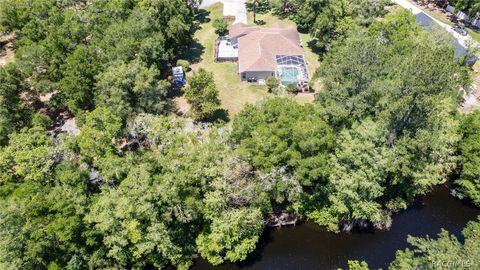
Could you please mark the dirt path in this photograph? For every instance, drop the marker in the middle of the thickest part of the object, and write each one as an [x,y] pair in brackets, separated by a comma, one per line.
[7,50]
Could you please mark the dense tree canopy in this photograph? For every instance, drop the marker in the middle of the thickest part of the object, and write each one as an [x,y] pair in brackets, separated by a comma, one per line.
[398,97]
[327,20]
[66,46]
[471,7]
[12,112]
[468,186]
[139,188]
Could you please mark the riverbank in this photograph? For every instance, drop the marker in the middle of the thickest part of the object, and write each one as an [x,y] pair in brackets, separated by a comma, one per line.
[308,246]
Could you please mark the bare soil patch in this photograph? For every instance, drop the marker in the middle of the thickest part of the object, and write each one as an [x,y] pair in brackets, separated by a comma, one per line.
[7,49]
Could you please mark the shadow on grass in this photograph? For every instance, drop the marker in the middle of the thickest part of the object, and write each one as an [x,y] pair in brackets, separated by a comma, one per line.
[318,50]
[193,54]
[202,16]
[219,116]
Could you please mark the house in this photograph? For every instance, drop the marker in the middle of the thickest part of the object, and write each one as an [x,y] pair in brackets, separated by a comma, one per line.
[274,51]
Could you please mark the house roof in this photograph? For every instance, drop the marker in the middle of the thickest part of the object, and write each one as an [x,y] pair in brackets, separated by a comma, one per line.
[258,49]
[241,29]
[428,24]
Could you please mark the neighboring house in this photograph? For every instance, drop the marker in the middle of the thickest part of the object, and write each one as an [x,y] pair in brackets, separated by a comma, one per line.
[274,51]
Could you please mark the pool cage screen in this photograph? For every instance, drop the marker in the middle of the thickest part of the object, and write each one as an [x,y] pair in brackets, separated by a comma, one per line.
[297,61]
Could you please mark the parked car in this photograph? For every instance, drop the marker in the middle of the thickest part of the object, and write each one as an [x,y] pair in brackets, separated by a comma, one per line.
[460,29]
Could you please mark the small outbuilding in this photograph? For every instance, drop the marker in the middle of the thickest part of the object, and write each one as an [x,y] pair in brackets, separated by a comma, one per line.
[178,75]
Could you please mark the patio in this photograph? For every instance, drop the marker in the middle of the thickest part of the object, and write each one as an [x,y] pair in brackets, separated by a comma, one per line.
[226,51]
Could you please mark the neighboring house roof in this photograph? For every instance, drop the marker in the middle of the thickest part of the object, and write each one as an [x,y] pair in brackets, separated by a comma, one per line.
[258,49]
[428,24]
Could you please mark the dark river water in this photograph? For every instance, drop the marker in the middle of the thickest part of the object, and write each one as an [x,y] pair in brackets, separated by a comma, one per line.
[307,246]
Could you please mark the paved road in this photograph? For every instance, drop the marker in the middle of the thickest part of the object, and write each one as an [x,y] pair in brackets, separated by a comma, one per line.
[464,40]
[230,8]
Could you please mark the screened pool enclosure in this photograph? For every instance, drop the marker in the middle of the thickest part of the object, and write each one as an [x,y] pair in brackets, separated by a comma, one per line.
[291,69]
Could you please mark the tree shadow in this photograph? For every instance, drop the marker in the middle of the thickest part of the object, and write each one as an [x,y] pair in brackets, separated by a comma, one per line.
[256,256]
[219,116]
[193,54]
[175,91]
[319,50]
[202,16]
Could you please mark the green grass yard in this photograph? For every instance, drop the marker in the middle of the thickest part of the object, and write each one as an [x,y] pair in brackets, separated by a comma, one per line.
[233,93]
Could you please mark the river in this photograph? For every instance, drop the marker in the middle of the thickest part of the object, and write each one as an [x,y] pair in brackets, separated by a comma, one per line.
[307,246]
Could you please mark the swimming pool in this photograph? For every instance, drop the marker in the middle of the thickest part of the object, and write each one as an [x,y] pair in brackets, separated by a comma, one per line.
[288,75]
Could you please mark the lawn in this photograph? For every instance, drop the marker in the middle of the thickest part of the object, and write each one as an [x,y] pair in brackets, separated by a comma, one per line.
[233,93]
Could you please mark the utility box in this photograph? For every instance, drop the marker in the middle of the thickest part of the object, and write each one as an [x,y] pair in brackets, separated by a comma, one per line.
[179,75]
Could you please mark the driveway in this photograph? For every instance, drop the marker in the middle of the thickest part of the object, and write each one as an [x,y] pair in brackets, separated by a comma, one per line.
[235,8]
[464,40]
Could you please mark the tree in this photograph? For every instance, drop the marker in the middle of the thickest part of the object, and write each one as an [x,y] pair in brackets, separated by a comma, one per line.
[202,94]
[272,83]
[29,157]
[468,184]
[78,80]
[153,215]
[290,144]
[327,20]
[12,114]
[444,252]
[284,8]
[233,208]
[471,7]
[221,26]
[357,180]
[232,236]
[141,235]
[184,64]
[46,222]
[356,265]
[66,45]
[129,88]
[100,128]
[14,14]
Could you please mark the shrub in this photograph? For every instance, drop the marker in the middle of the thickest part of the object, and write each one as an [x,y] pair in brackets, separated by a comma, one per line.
[184,64]
[272,83]
[221,26]
[292,88]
